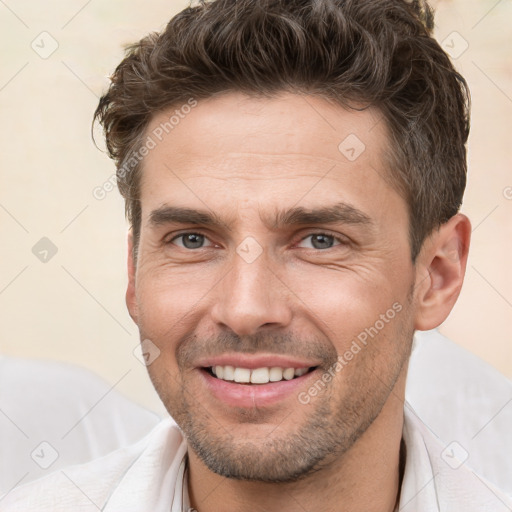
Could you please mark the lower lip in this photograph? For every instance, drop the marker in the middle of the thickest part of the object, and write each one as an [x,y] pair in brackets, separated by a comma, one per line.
[254,395]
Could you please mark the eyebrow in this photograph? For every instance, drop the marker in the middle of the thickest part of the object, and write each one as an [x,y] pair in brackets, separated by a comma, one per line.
[182,215]
[338,213]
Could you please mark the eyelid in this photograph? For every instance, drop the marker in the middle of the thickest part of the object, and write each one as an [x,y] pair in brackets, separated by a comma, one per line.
[167,240]
[342,239]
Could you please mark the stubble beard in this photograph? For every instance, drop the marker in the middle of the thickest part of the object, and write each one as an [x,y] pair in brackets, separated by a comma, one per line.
[329,430]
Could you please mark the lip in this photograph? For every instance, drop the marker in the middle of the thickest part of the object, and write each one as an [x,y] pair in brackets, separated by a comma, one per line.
[254,395]
[252,362]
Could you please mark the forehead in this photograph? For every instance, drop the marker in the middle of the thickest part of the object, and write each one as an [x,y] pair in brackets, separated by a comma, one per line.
[233,152]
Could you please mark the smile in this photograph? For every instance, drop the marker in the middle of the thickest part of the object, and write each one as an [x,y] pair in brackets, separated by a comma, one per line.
[262,375]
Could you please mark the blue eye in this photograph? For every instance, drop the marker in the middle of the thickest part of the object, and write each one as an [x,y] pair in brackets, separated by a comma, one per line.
[322,240]
[190,240]
[319,241]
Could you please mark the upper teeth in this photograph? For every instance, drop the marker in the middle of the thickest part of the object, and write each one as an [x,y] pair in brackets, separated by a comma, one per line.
[258,375]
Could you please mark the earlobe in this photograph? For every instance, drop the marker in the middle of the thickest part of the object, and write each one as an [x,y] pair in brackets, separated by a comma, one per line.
[441,268]
[131,300]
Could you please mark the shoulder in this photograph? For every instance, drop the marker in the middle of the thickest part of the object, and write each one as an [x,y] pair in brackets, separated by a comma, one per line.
[438,477]
[89,486]
[464,400]
[75,413]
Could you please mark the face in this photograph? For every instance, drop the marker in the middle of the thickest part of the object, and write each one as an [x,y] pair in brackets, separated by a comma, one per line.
[274,277]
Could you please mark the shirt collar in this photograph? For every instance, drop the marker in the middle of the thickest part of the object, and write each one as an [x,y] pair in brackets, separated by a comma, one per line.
[438,477]
[433,480]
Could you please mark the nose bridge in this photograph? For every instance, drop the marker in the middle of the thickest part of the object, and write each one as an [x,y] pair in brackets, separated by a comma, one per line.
[251,296]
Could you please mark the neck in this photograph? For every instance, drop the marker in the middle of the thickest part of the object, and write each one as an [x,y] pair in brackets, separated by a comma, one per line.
[366,477]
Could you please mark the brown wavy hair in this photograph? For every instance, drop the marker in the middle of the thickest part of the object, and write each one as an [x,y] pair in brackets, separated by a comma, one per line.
[377,53]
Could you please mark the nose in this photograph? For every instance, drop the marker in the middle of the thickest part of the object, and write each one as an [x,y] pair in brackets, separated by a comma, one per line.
[251,297]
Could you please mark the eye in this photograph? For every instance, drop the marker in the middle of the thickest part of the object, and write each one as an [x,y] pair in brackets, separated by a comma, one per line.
[190,240]
[323,241]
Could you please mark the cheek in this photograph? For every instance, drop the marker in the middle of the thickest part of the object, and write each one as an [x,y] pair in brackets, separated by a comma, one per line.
[343,303]
[168,299]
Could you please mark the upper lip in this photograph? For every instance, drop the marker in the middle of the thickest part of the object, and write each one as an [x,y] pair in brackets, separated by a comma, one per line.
[253,361]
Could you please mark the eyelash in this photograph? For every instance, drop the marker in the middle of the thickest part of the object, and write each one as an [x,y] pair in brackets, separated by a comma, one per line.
[341,240]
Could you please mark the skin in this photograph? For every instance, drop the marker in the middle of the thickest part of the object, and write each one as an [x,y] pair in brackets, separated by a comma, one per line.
[244,159]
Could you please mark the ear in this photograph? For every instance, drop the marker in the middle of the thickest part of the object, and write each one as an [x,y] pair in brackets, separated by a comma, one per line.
[131,300]
[441,266]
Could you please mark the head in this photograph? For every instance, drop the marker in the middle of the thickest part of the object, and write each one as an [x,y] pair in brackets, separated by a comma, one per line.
[292,172]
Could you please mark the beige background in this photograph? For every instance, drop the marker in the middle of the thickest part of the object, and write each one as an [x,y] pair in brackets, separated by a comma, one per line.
[71,308]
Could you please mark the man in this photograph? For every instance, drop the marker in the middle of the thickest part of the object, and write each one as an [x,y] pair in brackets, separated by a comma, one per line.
[292,173]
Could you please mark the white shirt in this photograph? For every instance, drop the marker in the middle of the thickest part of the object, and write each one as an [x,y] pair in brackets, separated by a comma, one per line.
[463,399]
[151,476]
[53,415]
[435,480]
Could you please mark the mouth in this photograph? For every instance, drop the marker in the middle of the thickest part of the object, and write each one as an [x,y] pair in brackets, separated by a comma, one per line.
[244,381]
[257,376]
